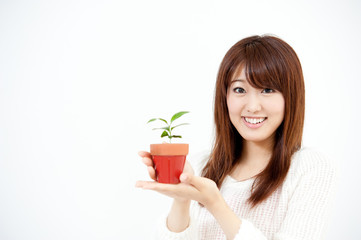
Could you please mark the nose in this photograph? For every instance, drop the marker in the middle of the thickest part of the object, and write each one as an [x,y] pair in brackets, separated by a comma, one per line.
[253,104]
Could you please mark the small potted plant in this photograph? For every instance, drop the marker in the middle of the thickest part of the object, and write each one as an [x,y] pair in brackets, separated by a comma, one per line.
[169,158]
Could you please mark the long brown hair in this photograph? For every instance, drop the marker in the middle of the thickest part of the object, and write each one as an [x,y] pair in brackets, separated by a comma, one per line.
[269,63]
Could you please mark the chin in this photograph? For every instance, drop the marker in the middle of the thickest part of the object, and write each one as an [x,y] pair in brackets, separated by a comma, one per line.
[254,138]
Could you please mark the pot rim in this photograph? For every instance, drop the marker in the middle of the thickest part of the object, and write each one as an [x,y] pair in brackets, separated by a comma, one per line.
[169,149]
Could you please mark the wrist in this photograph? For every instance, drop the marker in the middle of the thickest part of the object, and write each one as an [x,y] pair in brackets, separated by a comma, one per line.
[181,201]
[215,204]
[178,218]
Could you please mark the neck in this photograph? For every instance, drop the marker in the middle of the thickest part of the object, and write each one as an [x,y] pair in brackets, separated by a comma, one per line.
[254,159]
[257,154]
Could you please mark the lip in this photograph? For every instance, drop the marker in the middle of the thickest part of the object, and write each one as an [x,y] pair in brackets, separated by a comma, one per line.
[253,126]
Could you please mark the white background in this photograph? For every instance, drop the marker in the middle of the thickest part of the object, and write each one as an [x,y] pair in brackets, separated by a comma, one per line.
[80,79]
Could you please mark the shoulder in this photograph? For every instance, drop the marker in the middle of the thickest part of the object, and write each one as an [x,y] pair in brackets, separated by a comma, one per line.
[313,167]
[308,160]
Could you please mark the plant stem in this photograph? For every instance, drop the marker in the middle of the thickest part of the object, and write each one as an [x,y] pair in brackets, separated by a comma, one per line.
[170,133]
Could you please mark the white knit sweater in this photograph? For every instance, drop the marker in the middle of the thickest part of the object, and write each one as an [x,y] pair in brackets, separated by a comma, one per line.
[297,210]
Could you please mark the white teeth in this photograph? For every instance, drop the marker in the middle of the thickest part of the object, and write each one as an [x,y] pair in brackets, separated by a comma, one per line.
[254,120]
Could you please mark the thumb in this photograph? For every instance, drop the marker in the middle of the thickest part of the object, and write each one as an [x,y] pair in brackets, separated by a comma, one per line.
[196,181]
[184,177]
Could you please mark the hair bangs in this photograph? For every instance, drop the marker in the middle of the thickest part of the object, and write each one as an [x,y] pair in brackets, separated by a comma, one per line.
[262,68]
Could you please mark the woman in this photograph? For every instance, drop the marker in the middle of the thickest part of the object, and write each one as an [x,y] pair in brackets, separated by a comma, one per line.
[258,182]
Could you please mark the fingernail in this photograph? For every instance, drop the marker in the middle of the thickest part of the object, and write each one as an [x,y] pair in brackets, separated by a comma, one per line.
[183,177]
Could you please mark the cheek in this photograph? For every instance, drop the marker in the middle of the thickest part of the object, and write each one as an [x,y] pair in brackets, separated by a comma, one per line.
[278,107]
[233,105]
[231,109]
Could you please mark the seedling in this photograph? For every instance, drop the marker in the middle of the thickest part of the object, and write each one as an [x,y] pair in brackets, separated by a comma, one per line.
[167,130]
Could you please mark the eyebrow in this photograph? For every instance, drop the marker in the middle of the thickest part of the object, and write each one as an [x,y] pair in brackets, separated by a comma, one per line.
[238,80]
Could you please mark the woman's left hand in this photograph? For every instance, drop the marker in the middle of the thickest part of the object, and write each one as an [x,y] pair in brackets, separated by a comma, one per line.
[200,189]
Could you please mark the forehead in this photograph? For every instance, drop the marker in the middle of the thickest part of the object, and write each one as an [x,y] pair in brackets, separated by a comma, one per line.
[239,74]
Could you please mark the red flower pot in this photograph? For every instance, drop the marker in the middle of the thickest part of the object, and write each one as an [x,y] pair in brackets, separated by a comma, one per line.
[169,161]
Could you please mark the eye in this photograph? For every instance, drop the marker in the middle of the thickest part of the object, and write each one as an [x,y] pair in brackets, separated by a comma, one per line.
[268,90]
[239,90]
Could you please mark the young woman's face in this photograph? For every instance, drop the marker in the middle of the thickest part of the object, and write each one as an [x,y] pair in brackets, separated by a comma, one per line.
[255,113]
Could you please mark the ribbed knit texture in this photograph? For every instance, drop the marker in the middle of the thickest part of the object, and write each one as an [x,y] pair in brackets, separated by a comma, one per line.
[297,210]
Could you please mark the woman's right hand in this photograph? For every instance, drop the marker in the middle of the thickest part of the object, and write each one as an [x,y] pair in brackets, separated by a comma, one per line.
[178,218]
[147,160]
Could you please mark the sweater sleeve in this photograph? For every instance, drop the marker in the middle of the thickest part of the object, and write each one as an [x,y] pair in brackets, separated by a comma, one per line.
[311,191]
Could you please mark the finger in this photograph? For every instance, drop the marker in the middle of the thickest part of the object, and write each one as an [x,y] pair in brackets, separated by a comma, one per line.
[147,161]
[144,154]
[172,190]
[142,184]
[152,185]
[199,183]
[151,173]
[184,178]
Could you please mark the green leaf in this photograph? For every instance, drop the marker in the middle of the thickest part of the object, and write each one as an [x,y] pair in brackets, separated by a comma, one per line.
[164,128]
[163,120]
[178,115]
[176,136]
[179,125]
[153,119]
[164,134]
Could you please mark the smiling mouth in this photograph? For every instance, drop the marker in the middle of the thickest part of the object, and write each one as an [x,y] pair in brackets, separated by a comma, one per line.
[254,120]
